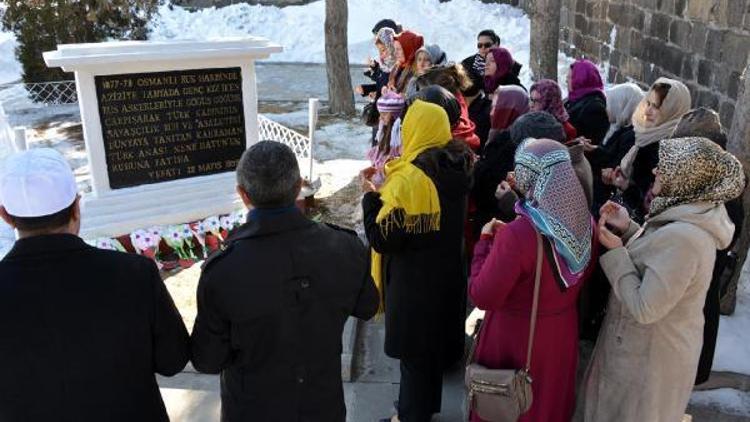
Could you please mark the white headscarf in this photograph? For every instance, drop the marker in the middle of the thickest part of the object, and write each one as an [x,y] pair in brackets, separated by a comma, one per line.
[622,100]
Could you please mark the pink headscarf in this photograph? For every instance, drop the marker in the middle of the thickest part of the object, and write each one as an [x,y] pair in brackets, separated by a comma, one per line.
[585,79]
[550,99]
[504,62]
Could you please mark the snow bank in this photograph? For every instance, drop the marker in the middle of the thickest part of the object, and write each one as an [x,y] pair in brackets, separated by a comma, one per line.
[10,68]
[452,25]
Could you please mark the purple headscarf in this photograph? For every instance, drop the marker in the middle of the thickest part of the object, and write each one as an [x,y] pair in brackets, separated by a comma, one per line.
[509,103]
[550,99]
[504,63]
[585,79]
[554,202]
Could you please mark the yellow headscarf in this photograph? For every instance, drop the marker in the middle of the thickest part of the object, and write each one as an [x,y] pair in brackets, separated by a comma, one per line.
[410,199]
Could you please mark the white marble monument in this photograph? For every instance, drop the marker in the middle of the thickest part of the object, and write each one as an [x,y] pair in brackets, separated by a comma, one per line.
[164,124]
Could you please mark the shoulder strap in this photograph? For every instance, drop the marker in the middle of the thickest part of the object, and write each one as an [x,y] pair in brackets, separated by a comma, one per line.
[535,304]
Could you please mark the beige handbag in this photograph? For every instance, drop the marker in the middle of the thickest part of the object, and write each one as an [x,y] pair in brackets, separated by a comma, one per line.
[502,395]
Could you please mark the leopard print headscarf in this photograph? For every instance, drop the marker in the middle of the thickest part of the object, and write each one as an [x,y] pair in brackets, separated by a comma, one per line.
[696,170]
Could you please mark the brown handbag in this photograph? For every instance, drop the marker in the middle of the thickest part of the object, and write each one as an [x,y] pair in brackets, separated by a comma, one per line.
[503,395]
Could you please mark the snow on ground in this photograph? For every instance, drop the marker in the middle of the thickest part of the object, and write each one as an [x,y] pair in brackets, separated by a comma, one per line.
[724,400]
[733,348]
[348,139]
[452,25]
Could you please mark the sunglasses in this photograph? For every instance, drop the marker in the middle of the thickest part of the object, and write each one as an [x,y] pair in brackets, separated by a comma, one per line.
[484,45]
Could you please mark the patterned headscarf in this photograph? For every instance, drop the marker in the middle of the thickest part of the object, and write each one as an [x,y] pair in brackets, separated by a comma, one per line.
[387,37]
[509,103]
[555,203]
[696,170]
[504,63]
[585,79]
[550,99]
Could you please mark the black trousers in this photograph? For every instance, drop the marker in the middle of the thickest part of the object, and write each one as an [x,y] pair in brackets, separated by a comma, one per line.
[421,390]
[711,313]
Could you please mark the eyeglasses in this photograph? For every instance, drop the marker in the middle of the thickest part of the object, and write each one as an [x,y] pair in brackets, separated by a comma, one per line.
[533,100]
[484,45]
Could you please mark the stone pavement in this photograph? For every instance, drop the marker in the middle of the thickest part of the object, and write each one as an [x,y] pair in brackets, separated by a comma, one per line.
[192,397]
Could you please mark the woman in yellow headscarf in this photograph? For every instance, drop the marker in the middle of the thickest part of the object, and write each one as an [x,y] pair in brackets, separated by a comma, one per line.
[415,226]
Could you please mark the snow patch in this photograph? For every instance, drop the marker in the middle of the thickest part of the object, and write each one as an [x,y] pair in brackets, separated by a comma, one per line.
[349,139]
[725,400]
[613,37]
[733,344]
[337,174]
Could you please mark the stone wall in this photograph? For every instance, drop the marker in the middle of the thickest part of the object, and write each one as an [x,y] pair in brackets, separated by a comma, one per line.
[704,43]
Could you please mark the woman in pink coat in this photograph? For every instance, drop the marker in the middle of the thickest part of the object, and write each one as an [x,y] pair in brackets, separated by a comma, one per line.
[502,278]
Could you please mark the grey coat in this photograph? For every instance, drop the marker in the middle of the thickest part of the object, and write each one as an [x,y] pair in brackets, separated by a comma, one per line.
[646,357]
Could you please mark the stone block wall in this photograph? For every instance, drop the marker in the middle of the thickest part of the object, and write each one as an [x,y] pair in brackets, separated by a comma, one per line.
[704,43]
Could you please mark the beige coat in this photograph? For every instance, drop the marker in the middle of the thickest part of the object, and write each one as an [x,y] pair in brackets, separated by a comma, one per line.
[646,357]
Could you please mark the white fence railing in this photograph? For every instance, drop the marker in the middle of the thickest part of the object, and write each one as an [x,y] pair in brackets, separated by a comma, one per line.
[45,93]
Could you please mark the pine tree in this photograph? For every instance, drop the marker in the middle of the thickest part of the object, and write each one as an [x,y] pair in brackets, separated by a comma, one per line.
[39,25]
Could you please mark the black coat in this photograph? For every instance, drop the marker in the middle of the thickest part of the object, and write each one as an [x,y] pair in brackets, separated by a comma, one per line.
[512,77]
[479,113]
[642,178]
[380,79]
[425,274]
[492,168]
[711,311]
[589,116]
[271,312]
[608,156]
[477,79]
[83,332]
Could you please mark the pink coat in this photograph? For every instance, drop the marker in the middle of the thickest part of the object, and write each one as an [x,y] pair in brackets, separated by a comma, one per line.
[502,283]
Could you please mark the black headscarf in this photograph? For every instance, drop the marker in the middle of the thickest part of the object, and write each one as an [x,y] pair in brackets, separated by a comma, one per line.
[438,95]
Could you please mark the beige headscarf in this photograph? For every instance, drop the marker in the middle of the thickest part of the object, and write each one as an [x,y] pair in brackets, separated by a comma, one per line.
[675,104]
[696,170]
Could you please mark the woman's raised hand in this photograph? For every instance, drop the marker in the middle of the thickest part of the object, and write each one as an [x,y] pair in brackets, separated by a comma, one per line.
[615,216]
[492,227]
[365,177]
[606,237]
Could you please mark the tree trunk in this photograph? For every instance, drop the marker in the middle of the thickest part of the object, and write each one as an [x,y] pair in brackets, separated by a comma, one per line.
[545,38]
[340,94]
[739,145]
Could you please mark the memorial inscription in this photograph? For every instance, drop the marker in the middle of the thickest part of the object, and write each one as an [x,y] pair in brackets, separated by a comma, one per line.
[164,126]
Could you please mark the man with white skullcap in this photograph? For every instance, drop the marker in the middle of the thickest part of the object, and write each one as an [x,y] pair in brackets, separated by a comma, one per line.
[82,330]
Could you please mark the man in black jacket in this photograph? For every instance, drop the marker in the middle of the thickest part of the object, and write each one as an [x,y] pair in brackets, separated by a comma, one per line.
[82,330]
[272,305]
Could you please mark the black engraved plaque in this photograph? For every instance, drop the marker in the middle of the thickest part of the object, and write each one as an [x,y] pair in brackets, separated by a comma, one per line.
[164,126]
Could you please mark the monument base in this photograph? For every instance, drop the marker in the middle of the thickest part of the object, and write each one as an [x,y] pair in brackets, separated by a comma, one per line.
[122,211]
